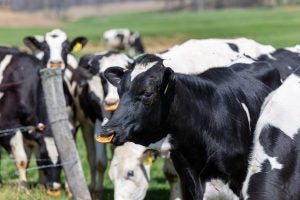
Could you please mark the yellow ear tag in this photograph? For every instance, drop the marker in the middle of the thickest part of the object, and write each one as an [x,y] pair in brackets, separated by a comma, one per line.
[77,47]
[149,160]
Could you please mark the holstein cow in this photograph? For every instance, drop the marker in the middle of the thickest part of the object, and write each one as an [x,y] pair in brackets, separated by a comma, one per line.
[23,105]
[207,120]
[123,39]
[54,50]
[274,167]
[91,89]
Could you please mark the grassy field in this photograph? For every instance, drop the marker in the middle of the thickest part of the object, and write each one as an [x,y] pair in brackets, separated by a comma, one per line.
[279,27]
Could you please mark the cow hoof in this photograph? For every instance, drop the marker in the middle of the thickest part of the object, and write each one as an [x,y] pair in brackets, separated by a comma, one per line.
[98,194]
[23,187]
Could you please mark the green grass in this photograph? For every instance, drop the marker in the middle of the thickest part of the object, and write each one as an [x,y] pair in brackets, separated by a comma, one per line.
[279,27]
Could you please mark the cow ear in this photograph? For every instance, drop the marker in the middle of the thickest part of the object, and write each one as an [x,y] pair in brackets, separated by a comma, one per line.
[32,43]
[149,156]
[78,43]
[114,75]
[168,81]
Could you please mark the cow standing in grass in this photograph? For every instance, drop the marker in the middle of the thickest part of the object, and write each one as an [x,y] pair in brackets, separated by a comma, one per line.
[54,50]
[23,105]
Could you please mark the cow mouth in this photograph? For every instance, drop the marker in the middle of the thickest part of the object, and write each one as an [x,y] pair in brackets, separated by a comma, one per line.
[55,65]
[111,107]
[105,138]
[54,192]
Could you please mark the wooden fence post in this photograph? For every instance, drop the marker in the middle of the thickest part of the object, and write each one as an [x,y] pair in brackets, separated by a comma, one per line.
[56,107]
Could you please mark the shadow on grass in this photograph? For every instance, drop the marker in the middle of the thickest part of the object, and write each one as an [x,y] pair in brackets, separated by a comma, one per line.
[153,194]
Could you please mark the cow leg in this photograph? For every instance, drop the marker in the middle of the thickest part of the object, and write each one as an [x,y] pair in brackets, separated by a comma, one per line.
[101,162]
[88,136]
[19,154]
[173,179]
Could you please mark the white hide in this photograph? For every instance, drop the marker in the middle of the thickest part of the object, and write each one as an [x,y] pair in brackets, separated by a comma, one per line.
[128,157]
[281,109]
[51,149]
[19,154]
[55,39]
[3,64]
[218,190]
[120,60]
[196,56]
[163,146]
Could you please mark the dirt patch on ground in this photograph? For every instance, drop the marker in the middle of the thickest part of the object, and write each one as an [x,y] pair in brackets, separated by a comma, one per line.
[152,45]
[9,18]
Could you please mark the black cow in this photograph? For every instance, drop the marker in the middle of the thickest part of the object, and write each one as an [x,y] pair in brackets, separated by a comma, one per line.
[22,104]
[206,120]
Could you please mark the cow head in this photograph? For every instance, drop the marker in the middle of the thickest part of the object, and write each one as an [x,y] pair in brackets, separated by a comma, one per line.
[130,171]
[97,64]
[145,94]
[55,47]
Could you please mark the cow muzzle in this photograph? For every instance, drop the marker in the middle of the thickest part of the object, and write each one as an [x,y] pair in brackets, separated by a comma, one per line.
[106,136]
[54,189]
[111,104]
[55,64]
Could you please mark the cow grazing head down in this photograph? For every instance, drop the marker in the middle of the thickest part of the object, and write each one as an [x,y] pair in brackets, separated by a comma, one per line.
[55,47]
[145,95]
[130,171]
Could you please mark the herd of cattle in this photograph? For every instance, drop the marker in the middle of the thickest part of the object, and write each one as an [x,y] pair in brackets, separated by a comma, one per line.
[223,113]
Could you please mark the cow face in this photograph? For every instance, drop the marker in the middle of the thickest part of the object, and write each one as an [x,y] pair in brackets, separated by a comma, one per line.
[130,171]
[55,47]
[98,63]
[145,97]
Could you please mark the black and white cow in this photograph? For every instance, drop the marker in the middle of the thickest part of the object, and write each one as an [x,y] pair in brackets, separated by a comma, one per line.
[207,120]
[54,50]
[286,60]
[92,90]
[274,167]
[123,39]
[22,104]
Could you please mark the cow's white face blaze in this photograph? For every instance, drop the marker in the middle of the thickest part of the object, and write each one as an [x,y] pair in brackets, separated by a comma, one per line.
[143,103]
[56,41]
[54,48]
[128,172]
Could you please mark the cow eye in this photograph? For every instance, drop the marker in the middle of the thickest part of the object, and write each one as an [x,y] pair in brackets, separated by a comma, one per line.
[130,173]
[147,94]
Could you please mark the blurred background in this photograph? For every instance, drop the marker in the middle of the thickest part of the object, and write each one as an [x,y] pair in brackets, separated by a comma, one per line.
[161,23]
